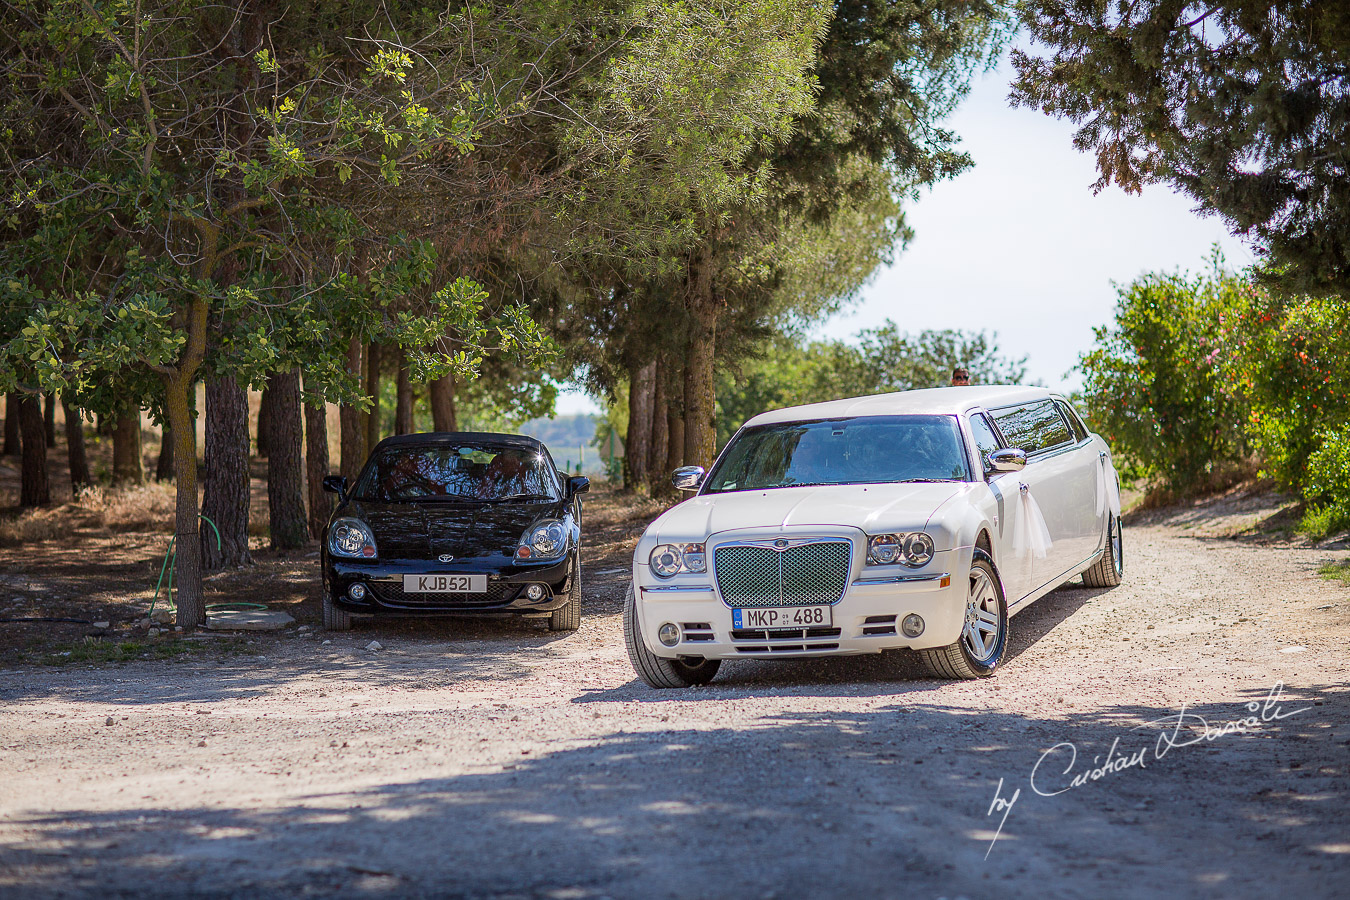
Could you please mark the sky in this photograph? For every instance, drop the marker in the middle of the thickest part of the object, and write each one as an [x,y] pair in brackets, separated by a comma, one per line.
[1020,246]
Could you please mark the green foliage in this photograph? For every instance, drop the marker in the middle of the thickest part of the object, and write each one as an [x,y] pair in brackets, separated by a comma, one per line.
[1337,571]
[1159,386]
[790,373]
[1327,487]
[1292,364]
[1239,103]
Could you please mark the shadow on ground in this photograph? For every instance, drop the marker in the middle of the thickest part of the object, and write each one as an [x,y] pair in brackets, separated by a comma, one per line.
[828,804]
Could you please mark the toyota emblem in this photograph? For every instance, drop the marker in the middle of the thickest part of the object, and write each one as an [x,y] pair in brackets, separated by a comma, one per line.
[446,557]
[781,543]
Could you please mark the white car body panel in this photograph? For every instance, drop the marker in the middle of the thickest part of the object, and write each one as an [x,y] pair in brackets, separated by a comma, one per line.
[955,514]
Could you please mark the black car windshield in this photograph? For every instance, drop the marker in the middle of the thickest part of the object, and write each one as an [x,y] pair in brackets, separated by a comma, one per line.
[862,450]
[472,473]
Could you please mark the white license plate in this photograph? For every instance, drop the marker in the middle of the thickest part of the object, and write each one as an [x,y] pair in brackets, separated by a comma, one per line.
[785,617]
[444,584]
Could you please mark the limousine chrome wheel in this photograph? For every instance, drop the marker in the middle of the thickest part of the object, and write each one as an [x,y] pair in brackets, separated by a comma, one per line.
[984,633]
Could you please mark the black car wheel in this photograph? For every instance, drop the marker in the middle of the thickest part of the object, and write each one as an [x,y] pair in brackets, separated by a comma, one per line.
[568,616]
[334,618]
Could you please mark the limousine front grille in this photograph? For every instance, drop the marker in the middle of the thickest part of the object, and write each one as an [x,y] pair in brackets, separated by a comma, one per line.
[755,575]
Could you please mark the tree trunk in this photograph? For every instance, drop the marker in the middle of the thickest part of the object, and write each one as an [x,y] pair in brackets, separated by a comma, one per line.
[49,417]
[658,471]
[353,434]
[264,442]
[225,498]
[178,391]
[79,461]
[637,442]
[316,467]
[127,467]
[700,415]
[12,424]
[289,526]
[442,392]
[34,487]
[675,435]
[373,425]
[403,409]
[164,466]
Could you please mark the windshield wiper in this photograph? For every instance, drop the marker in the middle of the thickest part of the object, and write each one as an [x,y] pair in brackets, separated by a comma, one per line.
[924,480]
[518,497]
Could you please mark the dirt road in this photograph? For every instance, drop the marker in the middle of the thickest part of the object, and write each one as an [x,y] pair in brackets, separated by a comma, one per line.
[491,759]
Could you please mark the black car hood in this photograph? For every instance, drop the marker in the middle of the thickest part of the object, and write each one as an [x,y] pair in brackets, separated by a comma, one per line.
[426,530]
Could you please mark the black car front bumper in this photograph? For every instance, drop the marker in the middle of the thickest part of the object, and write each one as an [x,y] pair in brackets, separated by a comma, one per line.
[506,583]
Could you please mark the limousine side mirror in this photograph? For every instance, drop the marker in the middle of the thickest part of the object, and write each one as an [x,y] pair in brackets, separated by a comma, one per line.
[687,478]
[578,484]
[335,484]
[1007,459]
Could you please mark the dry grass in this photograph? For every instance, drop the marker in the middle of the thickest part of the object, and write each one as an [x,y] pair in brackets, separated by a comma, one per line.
[148,507]
[1243,475]
[35,525]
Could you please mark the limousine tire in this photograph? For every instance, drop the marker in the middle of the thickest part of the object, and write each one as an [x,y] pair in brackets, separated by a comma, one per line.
[963,659]
[1107,571]
[568,616]
[335,618]
[658,671]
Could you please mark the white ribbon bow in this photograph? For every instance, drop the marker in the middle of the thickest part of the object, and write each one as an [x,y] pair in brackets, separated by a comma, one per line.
[1030,533]
[1108,492]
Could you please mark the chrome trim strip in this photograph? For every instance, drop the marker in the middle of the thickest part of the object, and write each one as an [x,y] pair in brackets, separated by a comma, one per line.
[899,579]
[706,588]
[787,543]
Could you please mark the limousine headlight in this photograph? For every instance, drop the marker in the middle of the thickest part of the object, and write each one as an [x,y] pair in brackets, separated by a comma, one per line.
[351,538]
[667,560]
[913,549]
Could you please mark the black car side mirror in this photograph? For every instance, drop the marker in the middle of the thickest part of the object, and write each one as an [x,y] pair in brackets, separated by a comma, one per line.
[335,484]
[578,484]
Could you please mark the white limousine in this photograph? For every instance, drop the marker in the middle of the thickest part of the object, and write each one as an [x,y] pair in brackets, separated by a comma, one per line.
[921,519]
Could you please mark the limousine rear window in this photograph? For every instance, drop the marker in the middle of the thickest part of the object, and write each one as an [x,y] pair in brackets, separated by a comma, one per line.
[1033,427]
[1079,429]
[858,450]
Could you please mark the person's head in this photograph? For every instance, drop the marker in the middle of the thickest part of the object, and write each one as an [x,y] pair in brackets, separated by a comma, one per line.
[960,376]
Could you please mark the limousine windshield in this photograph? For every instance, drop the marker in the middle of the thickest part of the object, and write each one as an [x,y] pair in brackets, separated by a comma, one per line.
[859,450]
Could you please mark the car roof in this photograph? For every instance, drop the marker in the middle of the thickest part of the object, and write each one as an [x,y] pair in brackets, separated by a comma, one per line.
[933,401]
[431,438]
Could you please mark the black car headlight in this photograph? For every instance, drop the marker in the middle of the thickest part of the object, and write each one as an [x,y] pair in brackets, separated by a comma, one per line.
[546,539]
[351,538]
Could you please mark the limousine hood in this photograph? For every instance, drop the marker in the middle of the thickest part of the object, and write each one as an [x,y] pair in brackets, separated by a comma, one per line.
[875,508]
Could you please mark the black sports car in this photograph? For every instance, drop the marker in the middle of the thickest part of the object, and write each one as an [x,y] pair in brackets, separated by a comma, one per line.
[455,523]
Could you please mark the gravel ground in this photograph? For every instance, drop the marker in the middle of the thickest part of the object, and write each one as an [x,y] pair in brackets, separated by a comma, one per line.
[493,759]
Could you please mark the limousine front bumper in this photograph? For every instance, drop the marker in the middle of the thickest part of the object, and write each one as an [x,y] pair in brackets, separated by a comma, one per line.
[867,619]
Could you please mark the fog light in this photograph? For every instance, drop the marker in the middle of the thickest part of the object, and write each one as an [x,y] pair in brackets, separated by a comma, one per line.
[912,625]
[357,592]
[535,592]
[669,634]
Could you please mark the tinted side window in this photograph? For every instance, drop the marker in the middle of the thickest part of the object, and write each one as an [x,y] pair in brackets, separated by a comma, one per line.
[1075,423]
[986,441]
[1034,426]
